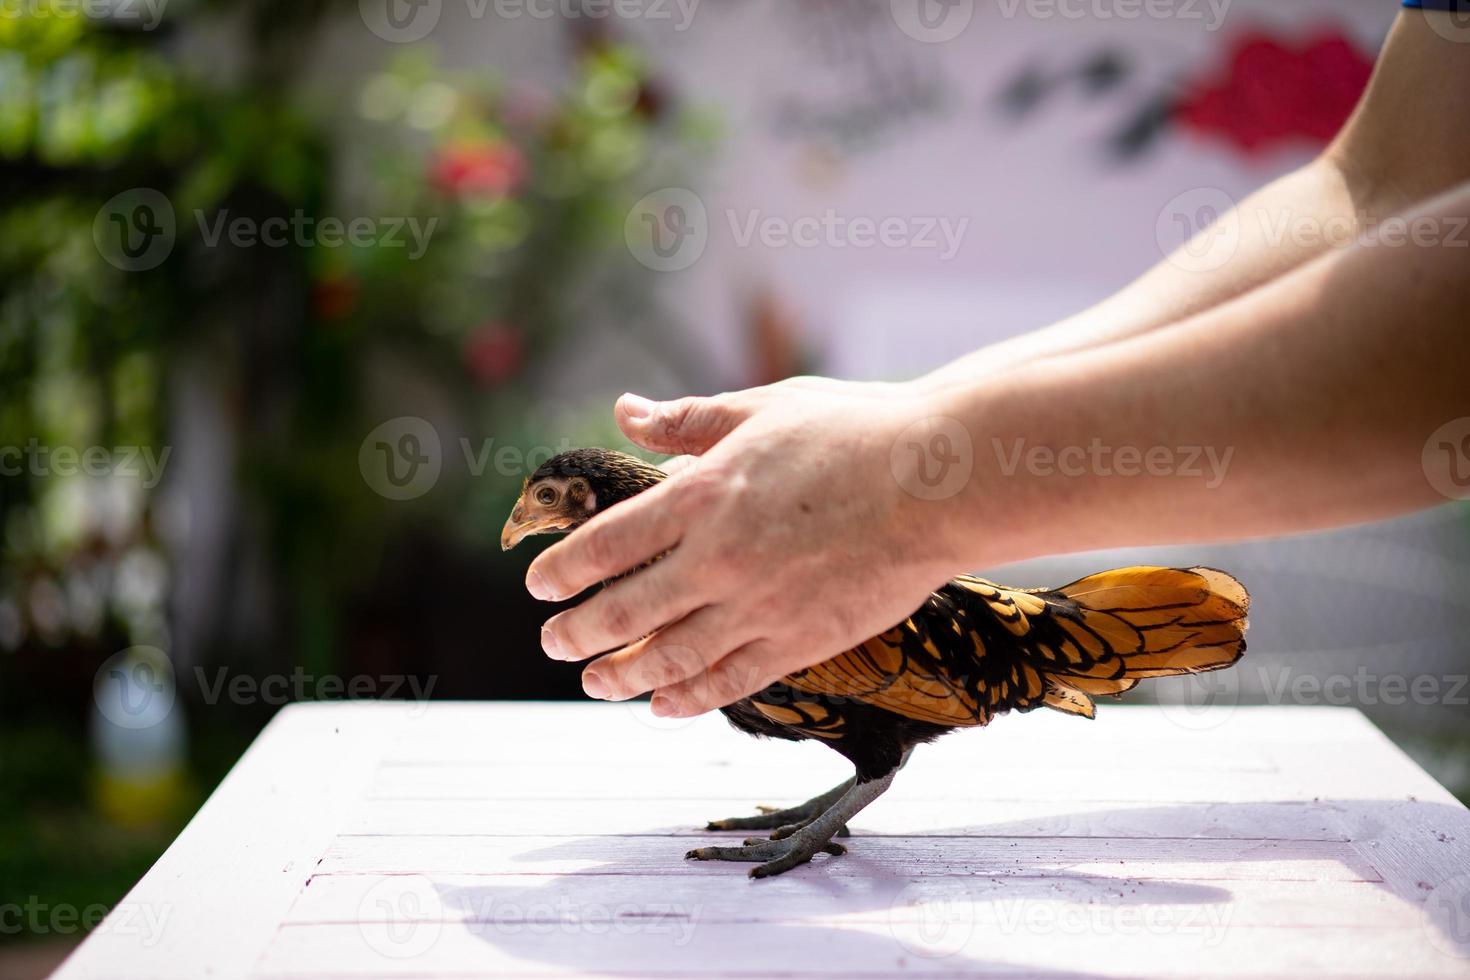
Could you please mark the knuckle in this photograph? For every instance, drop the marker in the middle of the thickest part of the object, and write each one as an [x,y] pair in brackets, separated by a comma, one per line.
[599,546]
[658,667]
[618,620]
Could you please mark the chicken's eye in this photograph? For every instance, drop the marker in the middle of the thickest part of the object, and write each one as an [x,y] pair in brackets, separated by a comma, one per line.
[546,495]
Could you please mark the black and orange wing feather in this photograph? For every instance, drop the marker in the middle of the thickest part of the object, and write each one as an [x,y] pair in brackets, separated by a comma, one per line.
[976,649]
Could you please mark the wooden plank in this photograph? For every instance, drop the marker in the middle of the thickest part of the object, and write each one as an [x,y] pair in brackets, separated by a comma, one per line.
[1201,860]
[895,816]
[1026,940]
[511,899]
[927,779]
[383,840]
[218,893]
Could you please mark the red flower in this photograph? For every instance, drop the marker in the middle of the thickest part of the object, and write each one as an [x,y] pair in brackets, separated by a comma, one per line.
[1273,93]
[334,298]
[467,169]
[493,353]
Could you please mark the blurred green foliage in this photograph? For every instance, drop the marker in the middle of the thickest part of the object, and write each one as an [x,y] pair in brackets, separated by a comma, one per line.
[525,191]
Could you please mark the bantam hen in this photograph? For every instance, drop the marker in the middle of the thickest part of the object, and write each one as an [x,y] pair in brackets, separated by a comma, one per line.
[972,651]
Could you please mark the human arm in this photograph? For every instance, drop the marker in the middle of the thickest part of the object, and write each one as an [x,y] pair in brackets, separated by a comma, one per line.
[1400,147]
[797,535]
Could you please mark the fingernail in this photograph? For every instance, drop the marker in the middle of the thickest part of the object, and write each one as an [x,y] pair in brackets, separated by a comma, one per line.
[661,706]
[636,407]
[536,585]
[595,686]
[549,646]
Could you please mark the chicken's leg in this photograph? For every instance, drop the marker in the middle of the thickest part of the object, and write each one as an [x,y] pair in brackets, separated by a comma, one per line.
[794,817]
[784,854]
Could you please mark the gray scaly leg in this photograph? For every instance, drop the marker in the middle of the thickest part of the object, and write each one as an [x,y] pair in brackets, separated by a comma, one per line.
[793,817]
[783,855]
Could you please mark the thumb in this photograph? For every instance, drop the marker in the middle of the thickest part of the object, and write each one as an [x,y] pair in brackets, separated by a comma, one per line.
[682,426]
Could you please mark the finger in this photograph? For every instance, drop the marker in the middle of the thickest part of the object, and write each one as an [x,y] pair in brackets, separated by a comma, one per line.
[663,593]
[613,542]
[678,464]
[673,654]
[685,425]
[749,669]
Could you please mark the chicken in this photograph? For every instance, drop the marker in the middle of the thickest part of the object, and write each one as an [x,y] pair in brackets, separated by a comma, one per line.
[972,651]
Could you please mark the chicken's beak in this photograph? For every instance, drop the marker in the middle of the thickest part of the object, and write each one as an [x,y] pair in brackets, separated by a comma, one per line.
[520,526]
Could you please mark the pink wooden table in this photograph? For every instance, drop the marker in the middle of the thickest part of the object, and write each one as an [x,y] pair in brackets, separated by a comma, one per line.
[399,840]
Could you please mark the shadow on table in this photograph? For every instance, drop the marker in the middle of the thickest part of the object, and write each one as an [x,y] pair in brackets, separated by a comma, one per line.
[899,913]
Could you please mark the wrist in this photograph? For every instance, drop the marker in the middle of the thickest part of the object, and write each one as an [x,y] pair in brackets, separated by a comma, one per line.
[1005,509]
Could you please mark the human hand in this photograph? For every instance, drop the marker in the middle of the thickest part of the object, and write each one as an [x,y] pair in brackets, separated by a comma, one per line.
[789,535]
